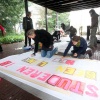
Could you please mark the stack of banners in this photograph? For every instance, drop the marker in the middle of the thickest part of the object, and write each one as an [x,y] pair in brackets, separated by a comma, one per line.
[68,79]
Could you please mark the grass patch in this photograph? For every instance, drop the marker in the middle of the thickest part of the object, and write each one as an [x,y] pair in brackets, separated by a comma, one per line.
[11,38]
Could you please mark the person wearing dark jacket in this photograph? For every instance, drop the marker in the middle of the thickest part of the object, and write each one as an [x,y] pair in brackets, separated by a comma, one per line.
[27,25]
[46,39]
[72,31]
[79,47]
[94,25]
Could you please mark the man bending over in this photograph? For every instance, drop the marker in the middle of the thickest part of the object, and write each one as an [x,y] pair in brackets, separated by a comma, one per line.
[46,39]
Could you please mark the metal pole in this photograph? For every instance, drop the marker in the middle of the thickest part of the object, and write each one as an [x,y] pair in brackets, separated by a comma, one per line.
[56,20]
[46,19]
[26,6]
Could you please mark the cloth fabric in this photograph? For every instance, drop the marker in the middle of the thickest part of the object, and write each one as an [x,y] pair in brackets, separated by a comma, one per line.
[78,44]
[79,50]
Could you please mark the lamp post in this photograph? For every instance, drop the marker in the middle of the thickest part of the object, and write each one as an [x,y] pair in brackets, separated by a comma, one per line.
[26,6]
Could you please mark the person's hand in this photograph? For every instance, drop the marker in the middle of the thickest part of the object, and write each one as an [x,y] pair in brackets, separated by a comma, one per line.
[75,55]
[61,59]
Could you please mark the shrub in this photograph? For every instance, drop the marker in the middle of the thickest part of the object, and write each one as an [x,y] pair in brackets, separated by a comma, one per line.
[11,38]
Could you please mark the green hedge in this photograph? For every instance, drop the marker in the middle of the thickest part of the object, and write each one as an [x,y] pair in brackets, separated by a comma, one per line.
[11,39]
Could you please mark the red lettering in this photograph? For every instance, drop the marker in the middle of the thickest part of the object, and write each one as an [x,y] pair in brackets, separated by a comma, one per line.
[6,63]
[22,69]
[77,87]
[53,80]
[70,62]
[28,71]
[93,90]
[64,83]
[44,77]
[37,73]
[64,60]
[56,59]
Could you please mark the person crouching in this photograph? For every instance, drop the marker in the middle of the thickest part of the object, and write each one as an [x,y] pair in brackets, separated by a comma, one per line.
[46,39]
[79,47]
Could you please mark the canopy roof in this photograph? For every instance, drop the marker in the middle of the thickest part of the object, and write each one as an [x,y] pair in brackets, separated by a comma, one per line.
[67,5]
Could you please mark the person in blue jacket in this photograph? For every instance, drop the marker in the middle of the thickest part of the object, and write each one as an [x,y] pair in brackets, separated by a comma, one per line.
[79,47]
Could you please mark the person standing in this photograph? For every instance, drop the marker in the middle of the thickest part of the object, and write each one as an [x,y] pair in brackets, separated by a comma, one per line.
[63,29]
[46,39]
[56,34]
[27,25]
[72,31]
[94,25]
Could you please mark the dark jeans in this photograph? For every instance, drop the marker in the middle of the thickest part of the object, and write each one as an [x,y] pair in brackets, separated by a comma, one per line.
[1,48]
[27,38]
[75,50]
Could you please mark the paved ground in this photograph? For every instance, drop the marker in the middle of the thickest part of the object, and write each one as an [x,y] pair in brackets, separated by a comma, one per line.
[11,49]
[9,91]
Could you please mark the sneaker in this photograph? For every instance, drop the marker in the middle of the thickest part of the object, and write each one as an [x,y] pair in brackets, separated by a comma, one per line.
[56,51]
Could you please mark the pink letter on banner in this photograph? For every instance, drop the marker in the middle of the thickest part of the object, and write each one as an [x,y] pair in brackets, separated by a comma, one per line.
[6,63]
[93,90]
[77,87]
[37,73]
[70,62]
[64,60]
[53,80]
[56,60]
[64,83]
[28,71]
[22,69]
[44,77]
